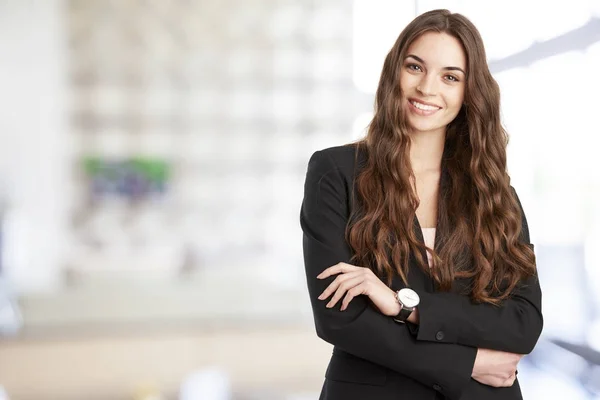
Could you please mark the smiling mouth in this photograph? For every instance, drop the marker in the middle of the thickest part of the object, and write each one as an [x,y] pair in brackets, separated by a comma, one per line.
[424,107]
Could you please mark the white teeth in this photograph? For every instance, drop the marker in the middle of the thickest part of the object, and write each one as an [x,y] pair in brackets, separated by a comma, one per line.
[423,106]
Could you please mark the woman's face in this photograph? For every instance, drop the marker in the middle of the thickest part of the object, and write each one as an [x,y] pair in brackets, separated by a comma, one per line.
[432,80]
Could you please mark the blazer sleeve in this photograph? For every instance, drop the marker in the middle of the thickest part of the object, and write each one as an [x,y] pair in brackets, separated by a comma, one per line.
[514,326]
[360,329]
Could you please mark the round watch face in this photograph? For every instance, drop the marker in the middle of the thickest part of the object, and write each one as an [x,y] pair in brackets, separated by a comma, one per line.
[408,297]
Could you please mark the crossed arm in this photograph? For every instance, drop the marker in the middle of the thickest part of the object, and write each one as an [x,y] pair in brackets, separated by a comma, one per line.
[367,333]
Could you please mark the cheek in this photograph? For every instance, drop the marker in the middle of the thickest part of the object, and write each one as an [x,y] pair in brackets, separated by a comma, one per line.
[406,83]
[455,102]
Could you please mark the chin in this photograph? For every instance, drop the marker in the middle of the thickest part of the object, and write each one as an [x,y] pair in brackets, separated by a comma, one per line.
[425,127]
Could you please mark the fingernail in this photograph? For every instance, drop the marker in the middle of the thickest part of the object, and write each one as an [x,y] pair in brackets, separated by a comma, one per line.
[321,297]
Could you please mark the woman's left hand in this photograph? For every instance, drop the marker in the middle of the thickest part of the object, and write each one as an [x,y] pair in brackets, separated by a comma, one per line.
[354,281]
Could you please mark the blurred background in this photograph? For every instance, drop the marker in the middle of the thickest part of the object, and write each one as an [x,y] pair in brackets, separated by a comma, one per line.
[152,160]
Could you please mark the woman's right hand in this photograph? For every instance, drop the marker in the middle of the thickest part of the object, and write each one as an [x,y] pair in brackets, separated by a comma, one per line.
[495,368]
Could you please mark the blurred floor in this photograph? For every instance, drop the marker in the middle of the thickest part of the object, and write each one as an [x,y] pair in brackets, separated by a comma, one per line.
[268,363]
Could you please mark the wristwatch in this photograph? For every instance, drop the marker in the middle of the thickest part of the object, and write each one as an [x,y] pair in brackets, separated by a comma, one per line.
[408,300]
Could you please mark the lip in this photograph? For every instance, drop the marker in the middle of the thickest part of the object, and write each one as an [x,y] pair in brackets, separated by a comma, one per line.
[423,113]
[423,102]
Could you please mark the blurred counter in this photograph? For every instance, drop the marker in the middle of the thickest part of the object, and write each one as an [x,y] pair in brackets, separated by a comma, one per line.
[103,340]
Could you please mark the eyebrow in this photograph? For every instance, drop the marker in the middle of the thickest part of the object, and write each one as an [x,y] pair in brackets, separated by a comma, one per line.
[419,59]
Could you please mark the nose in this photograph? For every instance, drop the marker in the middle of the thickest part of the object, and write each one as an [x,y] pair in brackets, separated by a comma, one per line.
[427,86]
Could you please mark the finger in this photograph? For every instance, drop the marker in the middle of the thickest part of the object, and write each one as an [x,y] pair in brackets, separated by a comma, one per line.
[333,286]
[500,382]
[510,381]
[336,269]
[351,294]
[343,288]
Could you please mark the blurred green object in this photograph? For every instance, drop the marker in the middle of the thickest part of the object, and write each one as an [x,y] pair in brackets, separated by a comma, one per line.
[153,169]
[130,177]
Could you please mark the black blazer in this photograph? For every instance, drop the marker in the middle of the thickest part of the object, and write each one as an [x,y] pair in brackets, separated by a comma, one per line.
[376,358]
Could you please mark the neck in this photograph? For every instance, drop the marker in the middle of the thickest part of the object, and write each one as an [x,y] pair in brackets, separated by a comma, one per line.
[426,151]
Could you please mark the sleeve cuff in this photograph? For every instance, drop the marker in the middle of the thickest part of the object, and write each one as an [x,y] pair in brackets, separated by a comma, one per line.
[435,324]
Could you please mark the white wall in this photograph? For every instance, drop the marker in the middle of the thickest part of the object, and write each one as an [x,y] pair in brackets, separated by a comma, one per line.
[33,153]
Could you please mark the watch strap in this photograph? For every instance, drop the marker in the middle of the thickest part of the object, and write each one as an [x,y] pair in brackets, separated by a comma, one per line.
[403,314]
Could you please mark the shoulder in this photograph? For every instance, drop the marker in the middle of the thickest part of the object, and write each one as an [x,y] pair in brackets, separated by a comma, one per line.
[340,152]
[330,177]
[343,159]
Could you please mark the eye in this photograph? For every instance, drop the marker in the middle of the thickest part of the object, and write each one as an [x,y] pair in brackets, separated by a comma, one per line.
[452,78]
[414,67]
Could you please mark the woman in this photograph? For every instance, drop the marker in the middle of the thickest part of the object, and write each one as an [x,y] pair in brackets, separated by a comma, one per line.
[416,248]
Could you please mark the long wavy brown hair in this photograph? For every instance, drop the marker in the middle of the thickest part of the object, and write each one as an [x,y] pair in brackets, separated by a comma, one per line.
[479,225]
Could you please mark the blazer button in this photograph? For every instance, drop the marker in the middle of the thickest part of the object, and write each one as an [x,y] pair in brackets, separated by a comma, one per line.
[437,388]
[439,335]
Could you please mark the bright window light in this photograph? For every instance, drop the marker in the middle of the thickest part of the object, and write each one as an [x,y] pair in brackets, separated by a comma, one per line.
[376,25]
